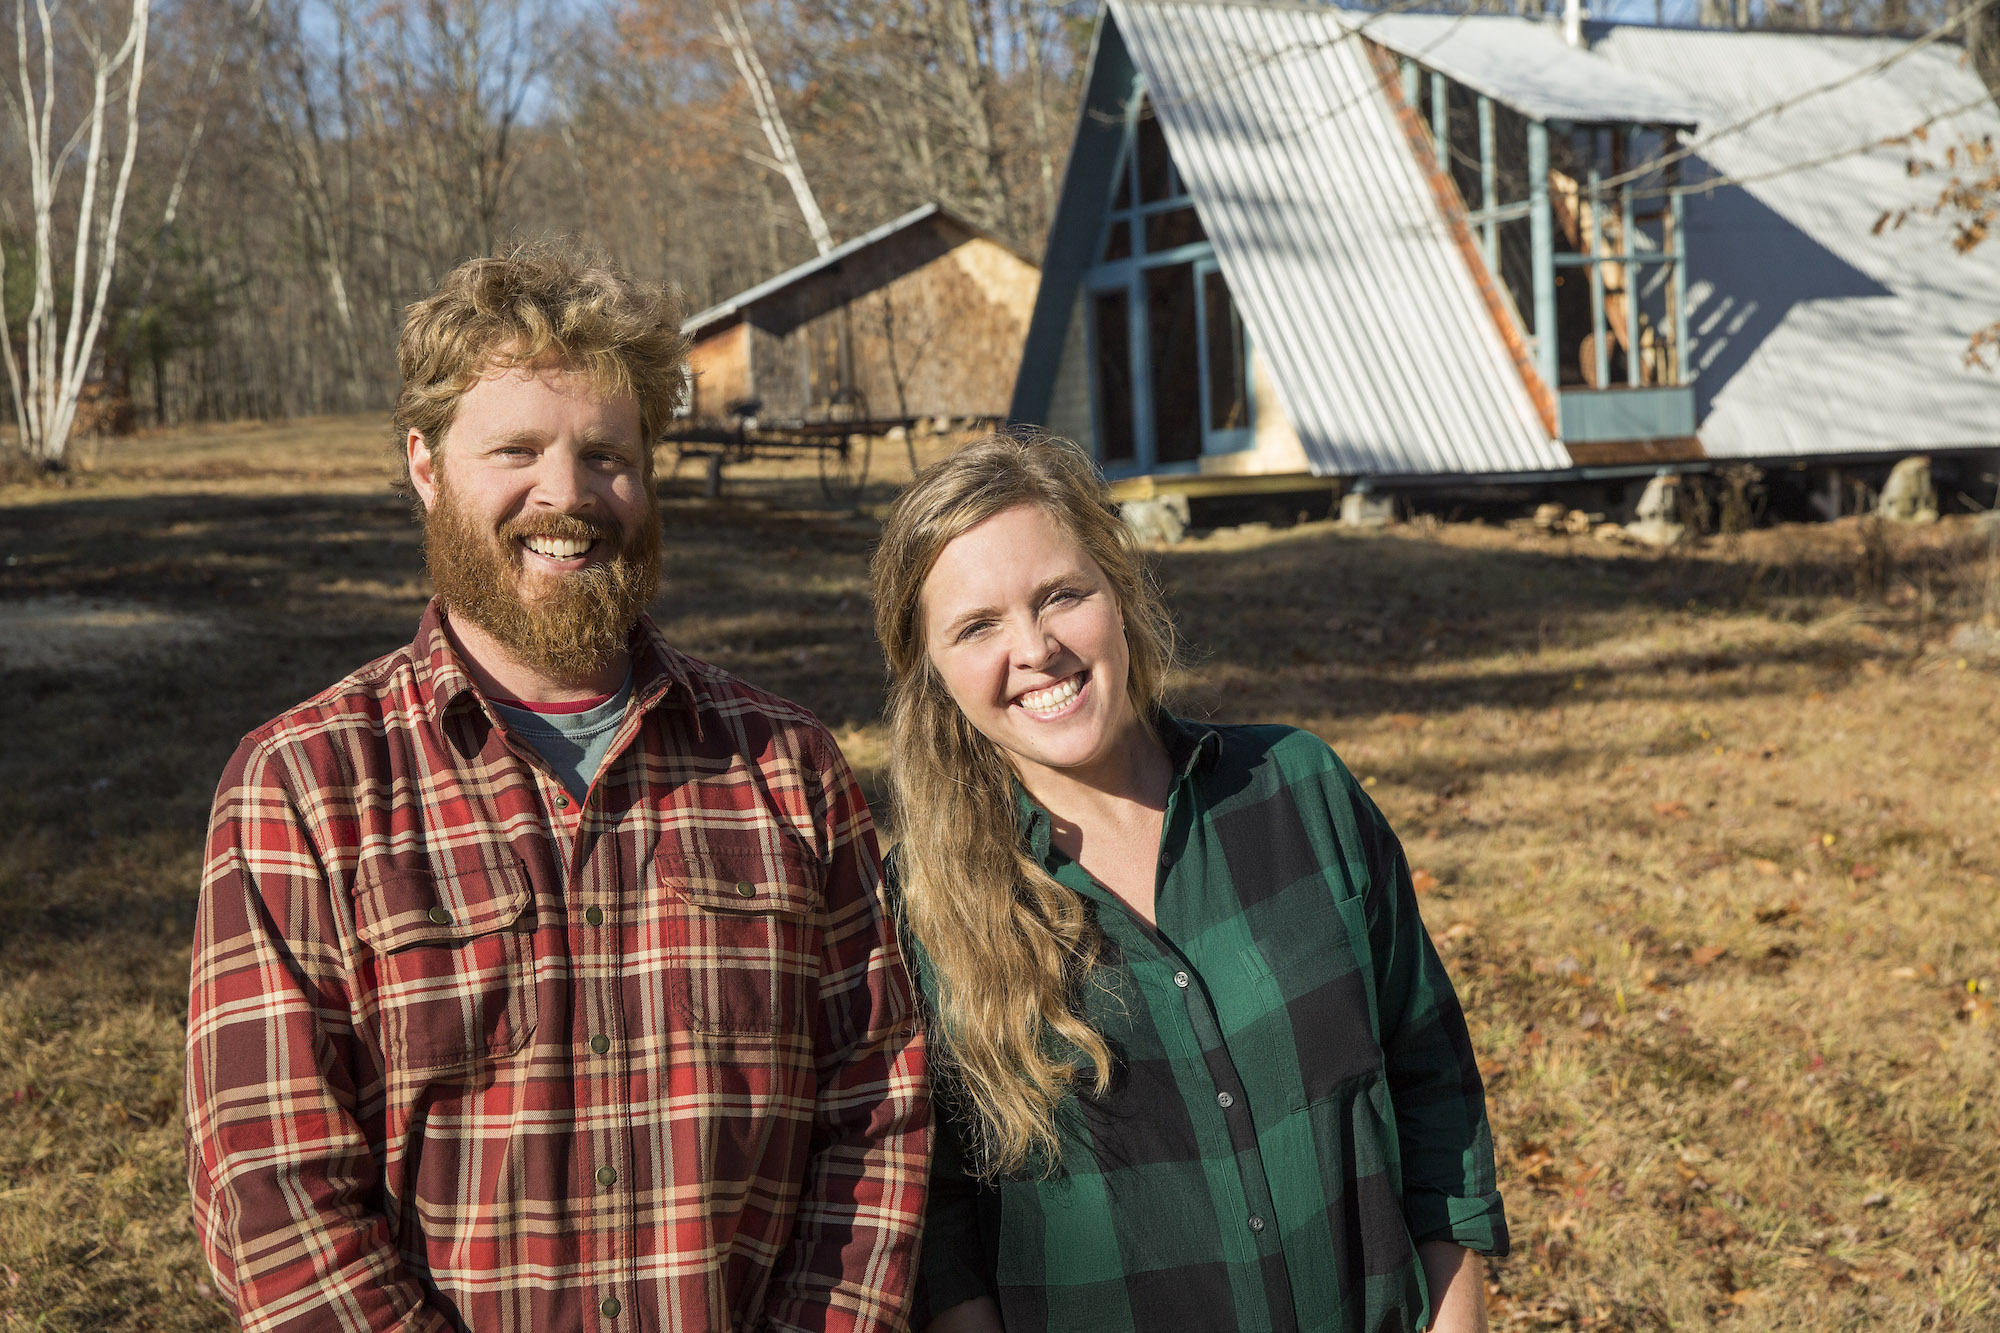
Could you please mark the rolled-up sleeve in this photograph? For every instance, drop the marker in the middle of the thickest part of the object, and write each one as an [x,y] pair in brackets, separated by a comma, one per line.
[284,1186]
[1449,1187]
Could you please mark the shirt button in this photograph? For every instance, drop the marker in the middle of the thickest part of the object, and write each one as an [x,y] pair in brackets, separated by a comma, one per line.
[1181,980]
[609,1307]
[1256,1223]
[745,889]
[606,1176]
[562,801]
[593,916]
[440,917]
[600,1043]
[1224,1100]
[1166,860]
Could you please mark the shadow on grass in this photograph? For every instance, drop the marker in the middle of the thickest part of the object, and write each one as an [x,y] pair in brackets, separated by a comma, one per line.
[122,750]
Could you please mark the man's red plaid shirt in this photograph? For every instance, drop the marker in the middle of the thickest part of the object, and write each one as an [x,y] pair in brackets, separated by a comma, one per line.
[467,1053]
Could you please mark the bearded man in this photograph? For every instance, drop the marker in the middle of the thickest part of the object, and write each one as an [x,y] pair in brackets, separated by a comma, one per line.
[542,979]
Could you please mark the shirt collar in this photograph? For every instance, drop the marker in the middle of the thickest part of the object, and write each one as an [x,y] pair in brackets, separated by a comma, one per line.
[444,683]
[1192,747]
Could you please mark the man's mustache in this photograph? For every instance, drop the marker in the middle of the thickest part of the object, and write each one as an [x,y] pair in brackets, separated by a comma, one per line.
[563,527]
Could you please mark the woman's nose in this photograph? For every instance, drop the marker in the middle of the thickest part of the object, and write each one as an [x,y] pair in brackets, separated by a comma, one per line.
[1034,647]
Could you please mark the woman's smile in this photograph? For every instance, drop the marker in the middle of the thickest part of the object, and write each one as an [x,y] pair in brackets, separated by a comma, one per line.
[1055,701]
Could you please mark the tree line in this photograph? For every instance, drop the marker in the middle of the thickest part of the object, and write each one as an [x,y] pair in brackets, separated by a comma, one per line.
[306,168]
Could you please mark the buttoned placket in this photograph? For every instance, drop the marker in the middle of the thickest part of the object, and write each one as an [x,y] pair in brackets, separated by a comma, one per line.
[598,901]
[1204,1031]
[607,903]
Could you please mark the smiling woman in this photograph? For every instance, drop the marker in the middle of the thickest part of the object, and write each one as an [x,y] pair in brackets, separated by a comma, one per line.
[1198,1064]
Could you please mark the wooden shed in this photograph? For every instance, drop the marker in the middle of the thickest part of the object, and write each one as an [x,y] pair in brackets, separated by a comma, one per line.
[924,316]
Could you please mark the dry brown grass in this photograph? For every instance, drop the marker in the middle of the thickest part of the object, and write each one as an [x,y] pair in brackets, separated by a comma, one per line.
[1707,841]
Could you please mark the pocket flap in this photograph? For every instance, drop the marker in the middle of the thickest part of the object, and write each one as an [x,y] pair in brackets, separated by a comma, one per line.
[398,907]
[773,878]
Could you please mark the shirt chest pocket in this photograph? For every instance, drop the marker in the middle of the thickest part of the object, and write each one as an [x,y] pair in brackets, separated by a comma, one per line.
[744,922]
[452,959]
[1319,994]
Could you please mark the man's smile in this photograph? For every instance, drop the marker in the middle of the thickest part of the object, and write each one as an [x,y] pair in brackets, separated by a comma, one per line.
[559,548]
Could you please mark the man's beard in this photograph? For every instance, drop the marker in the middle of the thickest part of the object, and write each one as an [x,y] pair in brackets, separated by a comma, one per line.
[581,621]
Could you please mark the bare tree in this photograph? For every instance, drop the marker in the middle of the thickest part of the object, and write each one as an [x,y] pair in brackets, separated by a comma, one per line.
[784,157]
[60,348]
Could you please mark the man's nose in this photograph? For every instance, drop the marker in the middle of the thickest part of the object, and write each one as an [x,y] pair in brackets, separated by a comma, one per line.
[564,483]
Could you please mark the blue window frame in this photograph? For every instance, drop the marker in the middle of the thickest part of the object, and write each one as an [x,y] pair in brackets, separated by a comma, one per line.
[1170,381]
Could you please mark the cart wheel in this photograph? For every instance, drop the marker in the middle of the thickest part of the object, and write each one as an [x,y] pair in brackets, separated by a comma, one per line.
[843,469]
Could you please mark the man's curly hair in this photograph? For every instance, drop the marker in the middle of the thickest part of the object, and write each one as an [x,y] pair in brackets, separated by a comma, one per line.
[540,302]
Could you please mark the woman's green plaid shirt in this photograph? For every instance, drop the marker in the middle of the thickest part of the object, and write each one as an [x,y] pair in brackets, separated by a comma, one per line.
[1296,1103]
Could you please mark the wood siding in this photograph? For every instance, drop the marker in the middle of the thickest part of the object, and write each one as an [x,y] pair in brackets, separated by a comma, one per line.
[720,364]
[927,322]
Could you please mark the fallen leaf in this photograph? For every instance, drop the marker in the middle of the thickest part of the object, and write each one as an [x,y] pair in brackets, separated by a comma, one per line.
[1422,880]
[1904,973]
[1706,954]
[1876,1200]
[1765,867]
[1405,721]
[1671,809]
[1864,872]
[1458,931]
[1777,912]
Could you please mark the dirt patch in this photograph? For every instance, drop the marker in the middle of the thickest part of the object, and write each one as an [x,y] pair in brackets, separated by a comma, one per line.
[74,633]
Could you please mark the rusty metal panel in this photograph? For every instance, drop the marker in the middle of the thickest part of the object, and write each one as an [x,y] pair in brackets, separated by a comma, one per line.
[1387,360]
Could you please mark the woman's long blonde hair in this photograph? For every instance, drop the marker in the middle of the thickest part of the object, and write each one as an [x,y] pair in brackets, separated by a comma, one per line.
[1010,948]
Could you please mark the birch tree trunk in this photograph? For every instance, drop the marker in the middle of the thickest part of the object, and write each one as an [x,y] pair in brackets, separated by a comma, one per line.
[784,157]
[60,351]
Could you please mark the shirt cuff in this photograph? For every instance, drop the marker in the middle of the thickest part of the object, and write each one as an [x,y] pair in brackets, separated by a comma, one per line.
[1478,1222]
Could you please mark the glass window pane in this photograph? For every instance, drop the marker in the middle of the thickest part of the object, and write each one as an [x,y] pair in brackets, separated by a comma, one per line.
[1462,141]
[1228,395]
[1180,226]
[1114,376]
[1118,241]
[1175,367]
[1155,180]
[1517,268]
[1510,154]
[1123,198]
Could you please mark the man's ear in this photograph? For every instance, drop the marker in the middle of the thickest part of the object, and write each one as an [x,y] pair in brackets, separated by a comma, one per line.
[423,469]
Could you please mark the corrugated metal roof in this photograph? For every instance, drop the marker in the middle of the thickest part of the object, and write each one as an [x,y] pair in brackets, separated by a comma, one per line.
[750,296]
[1810,334]
[1324,225]
[1528,66]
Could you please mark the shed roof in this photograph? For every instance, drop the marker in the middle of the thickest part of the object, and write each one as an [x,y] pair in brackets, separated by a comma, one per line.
[1811,334]
[1351,283]
[1527,65]
[750,296]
